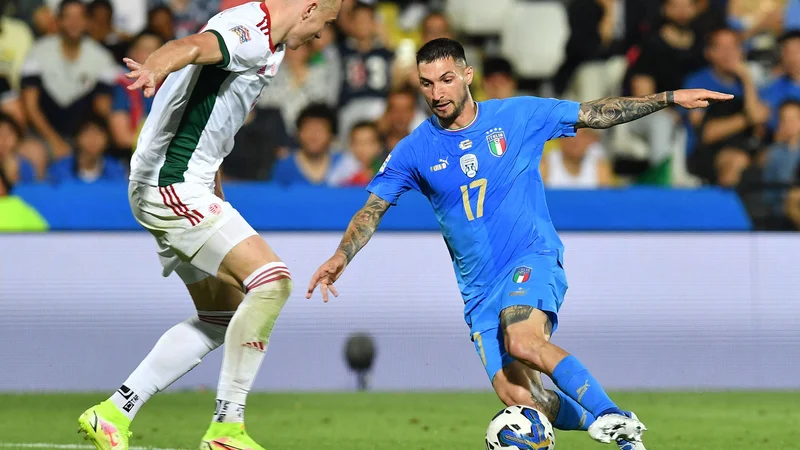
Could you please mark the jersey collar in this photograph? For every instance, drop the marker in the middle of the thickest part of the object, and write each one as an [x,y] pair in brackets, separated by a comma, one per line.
[269,25]
[474,119]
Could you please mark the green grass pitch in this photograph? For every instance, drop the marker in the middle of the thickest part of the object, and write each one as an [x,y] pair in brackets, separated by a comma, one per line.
[414,421]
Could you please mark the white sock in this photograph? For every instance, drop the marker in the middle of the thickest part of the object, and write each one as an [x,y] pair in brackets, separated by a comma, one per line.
[228,412]
[178,351]
[247,337]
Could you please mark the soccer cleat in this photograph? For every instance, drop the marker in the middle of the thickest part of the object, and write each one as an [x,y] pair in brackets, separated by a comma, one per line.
[228,436]
[630,445]
[612,427]
[105,426]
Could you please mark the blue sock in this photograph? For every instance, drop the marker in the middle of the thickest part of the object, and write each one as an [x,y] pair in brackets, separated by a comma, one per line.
[574,379]
[571,415]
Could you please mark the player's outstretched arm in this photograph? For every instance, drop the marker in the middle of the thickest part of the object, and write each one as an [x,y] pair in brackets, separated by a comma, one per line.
[362,227]
[607,112]
[202,48]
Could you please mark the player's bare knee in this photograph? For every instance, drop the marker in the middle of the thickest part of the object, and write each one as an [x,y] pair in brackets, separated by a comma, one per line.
[526,346]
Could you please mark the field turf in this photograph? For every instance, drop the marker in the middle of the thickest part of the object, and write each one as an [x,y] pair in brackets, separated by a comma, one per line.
[418,421]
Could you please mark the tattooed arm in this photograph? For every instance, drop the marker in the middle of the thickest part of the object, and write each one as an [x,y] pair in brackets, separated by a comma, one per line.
[607,112]
[359,232]
[362,227]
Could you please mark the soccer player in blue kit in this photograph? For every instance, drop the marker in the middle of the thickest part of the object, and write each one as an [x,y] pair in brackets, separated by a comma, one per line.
[477,163]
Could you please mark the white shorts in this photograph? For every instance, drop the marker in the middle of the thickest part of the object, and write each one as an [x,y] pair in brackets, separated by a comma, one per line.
[194,229]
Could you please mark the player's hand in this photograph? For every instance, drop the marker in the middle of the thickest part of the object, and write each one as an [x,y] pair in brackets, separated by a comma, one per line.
[146,79]
[699,98]
[326,275]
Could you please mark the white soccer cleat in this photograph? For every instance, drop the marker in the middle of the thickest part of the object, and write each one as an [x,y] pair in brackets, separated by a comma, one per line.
[611,427]
[630,445]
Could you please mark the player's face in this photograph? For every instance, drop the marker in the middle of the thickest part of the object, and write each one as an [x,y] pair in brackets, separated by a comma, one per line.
[445,85]
[316,17]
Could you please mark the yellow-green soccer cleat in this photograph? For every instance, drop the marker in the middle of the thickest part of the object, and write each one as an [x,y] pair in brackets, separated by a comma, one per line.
[105,426]
[228,436]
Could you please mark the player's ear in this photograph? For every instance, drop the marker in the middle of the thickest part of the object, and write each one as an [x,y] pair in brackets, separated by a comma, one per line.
[468,75]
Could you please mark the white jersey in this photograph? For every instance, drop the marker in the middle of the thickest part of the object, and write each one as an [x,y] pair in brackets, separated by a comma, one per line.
[199,109]
[559,176]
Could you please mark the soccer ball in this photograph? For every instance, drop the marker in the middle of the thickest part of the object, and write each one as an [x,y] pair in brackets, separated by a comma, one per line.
[520,427]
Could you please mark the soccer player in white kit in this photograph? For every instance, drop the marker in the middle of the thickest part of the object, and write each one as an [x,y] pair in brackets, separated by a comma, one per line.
[207,84]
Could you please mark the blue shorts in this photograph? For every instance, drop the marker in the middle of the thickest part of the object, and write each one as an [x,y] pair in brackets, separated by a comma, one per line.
[538,281]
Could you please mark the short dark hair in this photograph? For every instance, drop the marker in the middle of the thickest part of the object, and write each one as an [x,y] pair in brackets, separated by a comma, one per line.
[365,124]
[712,35]
[64,3]
[789,35]
[497,66]
[789,103]
[92,120]
[365,6]
[157,9]
[99,4]
[318,111]
[442,48]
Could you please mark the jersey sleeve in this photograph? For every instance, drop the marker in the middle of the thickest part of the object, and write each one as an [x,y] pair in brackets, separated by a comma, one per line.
[555,118]
[395,176]
[244,46]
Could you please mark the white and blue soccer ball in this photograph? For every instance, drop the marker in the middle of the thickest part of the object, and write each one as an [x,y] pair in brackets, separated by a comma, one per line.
[520,427]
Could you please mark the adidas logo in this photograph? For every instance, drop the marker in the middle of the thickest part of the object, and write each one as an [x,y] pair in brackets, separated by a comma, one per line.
[255,345]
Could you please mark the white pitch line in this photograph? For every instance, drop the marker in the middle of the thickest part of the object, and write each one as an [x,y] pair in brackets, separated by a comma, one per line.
[66,446]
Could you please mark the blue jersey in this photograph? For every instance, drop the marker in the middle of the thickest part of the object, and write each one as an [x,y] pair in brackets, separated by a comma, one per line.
[484,184]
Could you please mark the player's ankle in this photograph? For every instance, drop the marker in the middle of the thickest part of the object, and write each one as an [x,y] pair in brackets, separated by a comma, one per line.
[613,410]
[228,412]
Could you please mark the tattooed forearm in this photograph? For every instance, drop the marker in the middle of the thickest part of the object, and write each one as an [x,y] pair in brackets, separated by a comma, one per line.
[362,226]
[607,112]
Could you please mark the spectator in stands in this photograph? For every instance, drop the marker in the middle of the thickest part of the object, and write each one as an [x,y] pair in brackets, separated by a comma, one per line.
[299,84]
[190,15]
[754,17]
[787,85]
[726,63]
[17,168]
[401,116]
[313,162]
[782,161]
[366,70]
[16,40]
[579,163]
[15,214]
[728,137]
[161,21]
[668,55]
[259,143]
[434,26]
[601,33]
[498,79]
[360,164]
[101,28]
[89,163]
[65,77]
[130,108]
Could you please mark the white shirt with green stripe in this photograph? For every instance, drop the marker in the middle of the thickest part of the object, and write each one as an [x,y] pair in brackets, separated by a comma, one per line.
[198,110]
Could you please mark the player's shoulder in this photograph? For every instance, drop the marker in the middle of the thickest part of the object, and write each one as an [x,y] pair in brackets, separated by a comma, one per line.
[414,144]
[249,14]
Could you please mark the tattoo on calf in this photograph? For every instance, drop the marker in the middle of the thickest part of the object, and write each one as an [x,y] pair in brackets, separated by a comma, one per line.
[515,314]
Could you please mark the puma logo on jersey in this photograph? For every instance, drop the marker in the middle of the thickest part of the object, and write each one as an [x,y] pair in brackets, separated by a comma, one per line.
[441,166]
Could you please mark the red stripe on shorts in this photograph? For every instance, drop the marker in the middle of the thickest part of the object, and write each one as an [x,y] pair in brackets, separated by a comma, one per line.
[165,195]
[176,201]
[195,212]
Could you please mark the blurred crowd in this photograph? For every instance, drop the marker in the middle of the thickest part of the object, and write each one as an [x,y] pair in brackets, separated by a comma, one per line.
[338,106]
